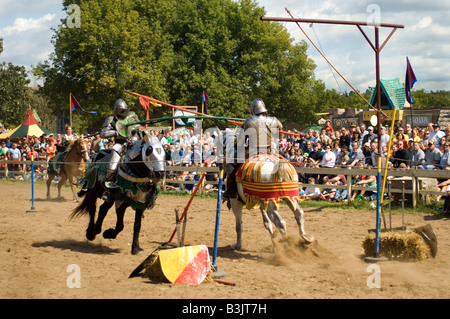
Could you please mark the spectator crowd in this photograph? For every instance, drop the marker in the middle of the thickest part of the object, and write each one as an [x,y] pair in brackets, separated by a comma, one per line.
[354,146]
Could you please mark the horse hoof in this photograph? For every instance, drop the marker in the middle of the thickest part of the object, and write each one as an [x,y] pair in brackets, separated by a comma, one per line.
[308,239]
[109,234]
[137,251]
[90,236]
[236,247]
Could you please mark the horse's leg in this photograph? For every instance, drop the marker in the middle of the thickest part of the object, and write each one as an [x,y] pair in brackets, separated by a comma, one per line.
[135,249]
[102,211]
[237,207]
[275,217]
[298,213]
[72,186]
[92,202]
[61,183]
[50,177]
[112,233]
[267,222]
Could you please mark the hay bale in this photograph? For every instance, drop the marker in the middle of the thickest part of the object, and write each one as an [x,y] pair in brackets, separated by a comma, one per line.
[151,268]
[398,245]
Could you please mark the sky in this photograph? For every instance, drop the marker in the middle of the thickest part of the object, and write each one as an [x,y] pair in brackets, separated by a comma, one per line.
[26,27]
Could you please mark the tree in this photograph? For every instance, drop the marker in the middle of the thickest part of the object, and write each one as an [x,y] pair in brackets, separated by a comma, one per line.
[14,100]
[174,50]
[109,53]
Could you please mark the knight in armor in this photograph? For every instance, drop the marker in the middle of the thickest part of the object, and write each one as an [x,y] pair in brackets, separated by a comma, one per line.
[125,136]
[262,125]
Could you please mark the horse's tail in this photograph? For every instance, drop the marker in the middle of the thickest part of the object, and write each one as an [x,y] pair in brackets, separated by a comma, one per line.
[82,209]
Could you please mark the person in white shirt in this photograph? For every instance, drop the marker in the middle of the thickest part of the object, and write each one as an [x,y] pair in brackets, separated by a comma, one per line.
[384,137]
[329,158]
[436,134]
[312,192]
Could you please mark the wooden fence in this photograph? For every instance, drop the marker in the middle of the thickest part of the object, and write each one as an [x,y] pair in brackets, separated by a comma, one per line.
[417,182]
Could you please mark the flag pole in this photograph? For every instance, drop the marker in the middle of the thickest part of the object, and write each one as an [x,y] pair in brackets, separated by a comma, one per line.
[410,104]
[70,109]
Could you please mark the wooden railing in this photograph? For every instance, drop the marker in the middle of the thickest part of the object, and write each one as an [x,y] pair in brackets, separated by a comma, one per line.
[418,180]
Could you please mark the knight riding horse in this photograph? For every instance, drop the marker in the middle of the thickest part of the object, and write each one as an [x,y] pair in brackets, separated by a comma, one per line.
[264,178]
[258,124]
[138,174]
[125,136]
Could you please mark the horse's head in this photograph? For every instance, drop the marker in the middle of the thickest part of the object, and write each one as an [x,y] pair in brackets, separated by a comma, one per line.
[82,148]
[154,156]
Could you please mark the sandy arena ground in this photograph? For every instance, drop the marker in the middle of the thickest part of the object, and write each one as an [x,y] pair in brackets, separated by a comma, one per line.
[37,248]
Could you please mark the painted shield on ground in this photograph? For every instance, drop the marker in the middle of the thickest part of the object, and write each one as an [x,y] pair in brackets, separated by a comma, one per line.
[188,265]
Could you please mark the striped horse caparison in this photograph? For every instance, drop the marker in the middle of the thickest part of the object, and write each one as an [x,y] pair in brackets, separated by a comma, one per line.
[262,181]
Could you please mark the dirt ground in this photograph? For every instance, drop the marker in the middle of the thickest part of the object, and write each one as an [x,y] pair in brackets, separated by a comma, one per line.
[37,249]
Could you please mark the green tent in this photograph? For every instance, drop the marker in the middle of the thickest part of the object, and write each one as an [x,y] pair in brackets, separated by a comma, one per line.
[313,127]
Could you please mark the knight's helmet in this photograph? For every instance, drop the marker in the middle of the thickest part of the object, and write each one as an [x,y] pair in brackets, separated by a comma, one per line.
[258,107]
[120,109]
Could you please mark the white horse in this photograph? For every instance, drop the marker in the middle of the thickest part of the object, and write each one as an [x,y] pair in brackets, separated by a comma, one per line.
[263,181]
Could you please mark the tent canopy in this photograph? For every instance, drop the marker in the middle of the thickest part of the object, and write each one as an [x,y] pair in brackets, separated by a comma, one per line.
[313,127]
[29,127]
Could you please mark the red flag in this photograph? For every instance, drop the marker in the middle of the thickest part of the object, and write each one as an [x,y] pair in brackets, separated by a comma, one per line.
[145,100]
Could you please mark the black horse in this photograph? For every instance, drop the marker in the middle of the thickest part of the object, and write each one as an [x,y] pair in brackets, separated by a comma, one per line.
[139,172]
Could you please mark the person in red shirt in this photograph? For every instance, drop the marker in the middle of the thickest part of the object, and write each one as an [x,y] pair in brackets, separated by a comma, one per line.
[32,154]
[328,126]
[51,148]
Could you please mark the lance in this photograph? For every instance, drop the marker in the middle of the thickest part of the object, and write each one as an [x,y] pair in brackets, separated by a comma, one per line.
[182,108]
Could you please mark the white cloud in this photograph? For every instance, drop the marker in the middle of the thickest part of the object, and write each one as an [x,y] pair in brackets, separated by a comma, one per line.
[27,40]
[33,25]
[424,39]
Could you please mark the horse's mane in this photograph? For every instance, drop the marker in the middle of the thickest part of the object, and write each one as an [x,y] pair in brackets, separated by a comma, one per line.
[70,146]
[73,143]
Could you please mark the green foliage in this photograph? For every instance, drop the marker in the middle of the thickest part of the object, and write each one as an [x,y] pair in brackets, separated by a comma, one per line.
[13,93]
[172,51]
[433,98]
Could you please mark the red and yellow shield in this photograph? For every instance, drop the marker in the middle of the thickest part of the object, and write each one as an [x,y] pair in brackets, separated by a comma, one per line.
[188,265]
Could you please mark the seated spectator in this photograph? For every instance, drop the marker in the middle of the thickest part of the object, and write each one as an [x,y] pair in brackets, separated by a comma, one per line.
[174,186]
[401,156]
[341,193]
[329,158]
[417,156]
[367,181]
[312,192]
[432,157]
[444,162]
[342,158]
[190,186]
[51,148]
[328,193]
[356,155]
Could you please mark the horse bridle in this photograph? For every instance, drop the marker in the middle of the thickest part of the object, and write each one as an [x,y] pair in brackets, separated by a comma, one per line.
[82,149]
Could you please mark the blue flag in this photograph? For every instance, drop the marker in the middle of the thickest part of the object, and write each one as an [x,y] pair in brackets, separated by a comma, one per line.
[410,79]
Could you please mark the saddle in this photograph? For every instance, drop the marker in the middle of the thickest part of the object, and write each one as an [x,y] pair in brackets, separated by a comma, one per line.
[56,163]
[134,190]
